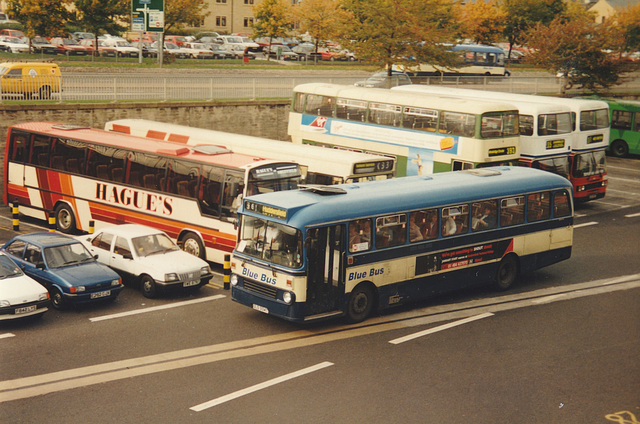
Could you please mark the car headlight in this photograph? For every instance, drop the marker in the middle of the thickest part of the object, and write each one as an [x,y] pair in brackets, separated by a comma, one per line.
[172,276]
[234,280]
[287,297]
[4,303]
[43,296]
[115,282]
[205,270]
[77,289]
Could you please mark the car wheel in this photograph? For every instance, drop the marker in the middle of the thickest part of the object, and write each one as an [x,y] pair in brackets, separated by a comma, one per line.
[619,148]
[65,219]
[57,299]
[45,92]
[148,286]
[507,272]
[191,244]
[360,303]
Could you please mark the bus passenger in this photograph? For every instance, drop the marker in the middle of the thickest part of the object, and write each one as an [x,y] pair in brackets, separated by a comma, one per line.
[414,229]
[449,227]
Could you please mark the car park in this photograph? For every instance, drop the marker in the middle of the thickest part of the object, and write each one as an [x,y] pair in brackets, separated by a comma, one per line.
[148,50]
[383,80]
[5,20]
[83,36]
[64,266]
[281,52]
[103,50]
[147,256]
[219,53]
[178,40]
[20,295]
[198,50]
[172,49]
[29,79]
[42,45]
[69,46]
[13,45]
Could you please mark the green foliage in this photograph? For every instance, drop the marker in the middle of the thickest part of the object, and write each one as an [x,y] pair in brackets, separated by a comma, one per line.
[179,13]
[41,17]
[272,19]
[521,15]
[103,16]
[393,32]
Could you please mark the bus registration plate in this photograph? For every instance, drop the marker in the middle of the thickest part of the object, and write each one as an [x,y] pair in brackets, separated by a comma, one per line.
[260,308]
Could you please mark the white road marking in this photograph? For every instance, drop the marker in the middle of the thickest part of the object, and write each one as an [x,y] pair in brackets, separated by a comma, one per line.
[260,386]
[6,335]
[633,215]
[548,299]
[439,328]
[156,308]
[586,224]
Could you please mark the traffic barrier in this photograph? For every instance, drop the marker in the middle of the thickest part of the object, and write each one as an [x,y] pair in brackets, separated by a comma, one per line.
[92,226]
[52,221]
[226,274]
[15,217]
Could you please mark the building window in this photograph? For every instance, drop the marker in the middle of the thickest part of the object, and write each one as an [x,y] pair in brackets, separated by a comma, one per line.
[221,1]
[248,1]
[221,21]
[248,22]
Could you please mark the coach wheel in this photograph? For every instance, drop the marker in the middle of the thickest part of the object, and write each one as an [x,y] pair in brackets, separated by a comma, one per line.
[65,220]
[360,303]
[507,272]
[148,286]
[619,148]
[191,244]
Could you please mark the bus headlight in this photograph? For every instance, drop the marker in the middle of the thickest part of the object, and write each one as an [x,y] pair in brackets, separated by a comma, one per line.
[287,297]
[234,280]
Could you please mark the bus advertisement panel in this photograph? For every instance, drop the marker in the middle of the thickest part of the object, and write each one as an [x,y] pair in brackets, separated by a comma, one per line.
[83,174]
[318,165]
[352,249]
[426,134]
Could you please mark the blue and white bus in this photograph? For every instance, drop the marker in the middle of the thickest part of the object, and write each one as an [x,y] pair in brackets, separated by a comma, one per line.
[474,60]
[350,249]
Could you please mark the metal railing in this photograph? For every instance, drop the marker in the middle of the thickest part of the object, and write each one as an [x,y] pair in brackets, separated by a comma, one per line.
[124,87]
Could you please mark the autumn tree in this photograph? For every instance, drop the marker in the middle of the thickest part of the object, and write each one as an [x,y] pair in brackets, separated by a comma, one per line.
[521,15]
[319,18]
[102,16]
[575,49]
[398,32]
[625,29]
[181,13]
[272,19]
[481,21]
[41,17]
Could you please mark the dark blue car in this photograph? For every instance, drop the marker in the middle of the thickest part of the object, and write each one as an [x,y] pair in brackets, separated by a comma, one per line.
[65,267]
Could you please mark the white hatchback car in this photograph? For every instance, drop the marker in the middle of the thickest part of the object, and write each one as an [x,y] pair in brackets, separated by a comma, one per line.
[148,256]
[20,295]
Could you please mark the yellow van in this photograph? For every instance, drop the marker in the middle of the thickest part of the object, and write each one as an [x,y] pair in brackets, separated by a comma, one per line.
[30,79]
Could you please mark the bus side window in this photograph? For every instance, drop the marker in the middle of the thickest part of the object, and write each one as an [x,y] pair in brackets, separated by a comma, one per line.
[359,235]
[512,211]
[621,120]
[391,230]
[636,123]
[561,204]
[455,220]
[538,206]
[484,215]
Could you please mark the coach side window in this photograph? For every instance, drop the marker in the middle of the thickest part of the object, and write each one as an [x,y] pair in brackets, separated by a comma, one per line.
[538,206]
[512,211]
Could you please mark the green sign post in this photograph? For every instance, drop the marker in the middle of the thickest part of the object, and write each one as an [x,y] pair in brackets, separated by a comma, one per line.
[147,16]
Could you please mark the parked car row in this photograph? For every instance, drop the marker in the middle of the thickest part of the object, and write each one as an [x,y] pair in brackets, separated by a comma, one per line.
[91,268]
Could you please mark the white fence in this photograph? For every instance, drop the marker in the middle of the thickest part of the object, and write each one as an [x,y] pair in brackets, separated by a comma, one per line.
[197,87]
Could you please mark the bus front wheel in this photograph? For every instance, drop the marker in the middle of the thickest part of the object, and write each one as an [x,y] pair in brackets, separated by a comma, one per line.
[360,303]
[507,272]
[65,220]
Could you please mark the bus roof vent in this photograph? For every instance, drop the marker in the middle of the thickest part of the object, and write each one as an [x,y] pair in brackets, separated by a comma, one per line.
[210,149]
[69,127]
[321,189]
[482,172]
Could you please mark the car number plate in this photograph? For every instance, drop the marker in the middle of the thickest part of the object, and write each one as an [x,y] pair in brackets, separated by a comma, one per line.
[26,309]
[190,283]
[100,294]
[260,308]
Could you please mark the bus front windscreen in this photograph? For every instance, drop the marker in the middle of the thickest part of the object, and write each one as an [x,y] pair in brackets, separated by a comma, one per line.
[269,241]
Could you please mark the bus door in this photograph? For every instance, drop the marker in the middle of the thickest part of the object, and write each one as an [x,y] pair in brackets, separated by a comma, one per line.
[325,265]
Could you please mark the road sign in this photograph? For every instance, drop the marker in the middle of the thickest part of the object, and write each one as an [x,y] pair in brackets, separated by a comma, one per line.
[152,14]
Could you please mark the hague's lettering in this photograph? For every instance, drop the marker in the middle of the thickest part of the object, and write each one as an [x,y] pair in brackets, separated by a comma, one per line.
[138,199]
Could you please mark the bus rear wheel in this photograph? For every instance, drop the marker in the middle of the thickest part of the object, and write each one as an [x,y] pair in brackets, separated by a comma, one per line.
[360,303]
[191,244]
[619,148]
[507,273]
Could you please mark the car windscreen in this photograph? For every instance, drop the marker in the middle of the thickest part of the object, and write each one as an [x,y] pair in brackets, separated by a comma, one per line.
[8,268]
[67,255]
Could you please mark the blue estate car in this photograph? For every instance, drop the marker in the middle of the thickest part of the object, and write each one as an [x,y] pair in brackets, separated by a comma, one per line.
[65,267]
